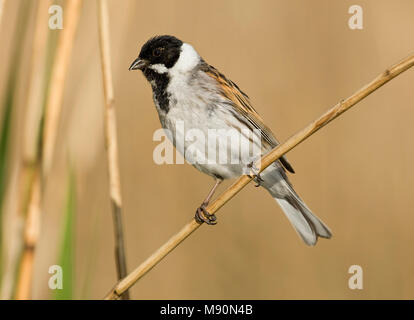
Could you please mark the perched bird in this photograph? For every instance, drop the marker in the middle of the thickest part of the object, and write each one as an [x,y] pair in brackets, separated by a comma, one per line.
[189,91]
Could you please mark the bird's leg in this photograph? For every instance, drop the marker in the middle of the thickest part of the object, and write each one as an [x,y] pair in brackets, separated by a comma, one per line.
[256,174]
[202,215]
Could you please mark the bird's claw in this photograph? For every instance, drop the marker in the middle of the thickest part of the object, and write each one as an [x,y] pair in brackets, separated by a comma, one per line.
[255,174]
[258,180]
[202,215]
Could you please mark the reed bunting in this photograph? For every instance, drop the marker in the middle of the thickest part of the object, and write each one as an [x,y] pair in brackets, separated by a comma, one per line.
[188,90]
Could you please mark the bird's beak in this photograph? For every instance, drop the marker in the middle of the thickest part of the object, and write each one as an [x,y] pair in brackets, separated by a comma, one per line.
[138,64]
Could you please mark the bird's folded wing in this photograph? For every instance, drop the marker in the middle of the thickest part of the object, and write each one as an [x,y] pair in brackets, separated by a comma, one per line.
[241,103]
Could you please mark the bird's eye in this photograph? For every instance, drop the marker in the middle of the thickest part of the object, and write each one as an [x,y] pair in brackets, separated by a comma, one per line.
[157,52]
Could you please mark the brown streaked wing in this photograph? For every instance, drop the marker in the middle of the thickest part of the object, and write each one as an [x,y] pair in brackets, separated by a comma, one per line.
[241,103]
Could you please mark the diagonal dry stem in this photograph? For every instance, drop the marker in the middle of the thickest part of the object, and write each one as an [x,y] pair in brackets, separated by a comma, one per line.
[111,140]
[266,160]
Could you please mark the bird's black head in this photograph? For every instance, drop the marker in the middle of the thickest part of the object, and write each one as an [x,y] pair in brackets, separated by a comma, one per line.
[160,50]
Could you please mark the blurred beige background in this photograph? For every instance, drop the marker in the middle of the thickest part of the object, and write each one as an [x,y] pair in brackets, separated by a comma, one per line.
[295,59]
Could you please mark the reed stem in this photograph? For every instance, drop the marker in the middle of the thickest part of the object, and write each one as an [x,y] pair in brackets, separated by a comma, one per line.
[51,113]
[111,141]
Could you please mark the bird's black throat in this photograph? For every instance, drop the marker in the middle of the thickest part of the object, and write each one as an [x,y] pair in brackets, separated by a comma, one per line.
[159,83]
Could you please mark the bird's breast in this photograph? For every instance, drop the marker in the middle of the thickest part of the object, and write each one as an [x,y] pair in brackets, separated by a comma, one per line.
[203,128]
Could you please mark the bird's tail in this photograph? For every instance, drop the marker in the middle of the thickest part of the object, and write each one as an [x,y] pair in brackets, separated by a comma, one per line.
[307,225]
